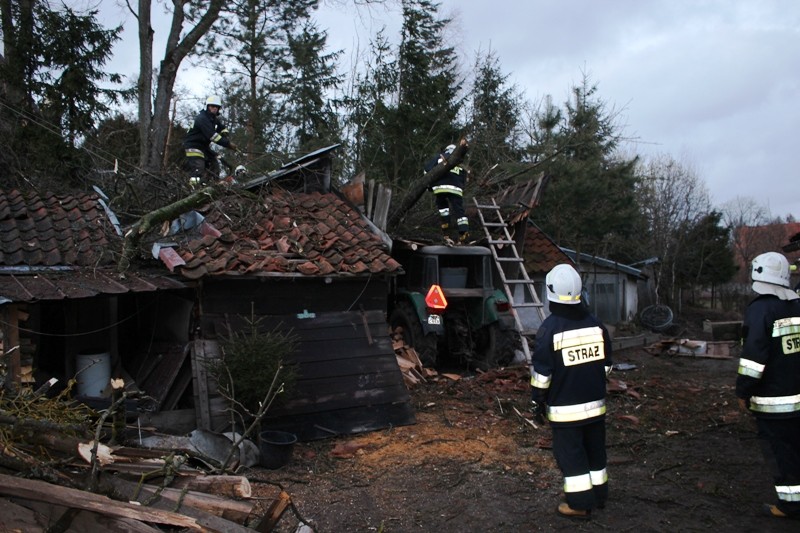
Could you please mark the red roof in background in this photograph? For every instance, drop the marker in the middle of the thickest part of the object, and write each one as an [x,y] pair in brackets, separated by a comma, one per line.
[57,246]
[308,234]
[541,254]
[755,240]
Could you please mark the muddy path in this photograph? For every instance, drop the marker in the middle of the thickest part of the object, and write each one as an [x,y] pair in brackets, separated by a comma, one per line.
[681,458]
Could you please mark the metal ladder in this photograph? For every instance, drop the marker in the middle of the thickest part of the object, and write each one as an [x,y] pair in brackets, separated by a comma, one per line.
[519,276]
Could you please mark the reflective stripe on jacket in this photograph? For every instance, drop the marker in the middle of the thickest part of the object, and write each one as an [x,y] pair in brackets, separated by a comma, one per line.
[769,367]
[568,365]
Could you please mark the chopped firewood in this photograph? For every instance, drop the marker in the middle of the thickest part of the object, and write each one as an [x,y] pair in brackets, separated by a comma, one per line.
[221,485]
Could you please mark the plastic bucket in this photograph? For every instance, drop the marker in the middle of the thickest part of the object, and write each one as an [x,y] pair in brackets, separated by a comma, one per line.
[94,373]
[276,448]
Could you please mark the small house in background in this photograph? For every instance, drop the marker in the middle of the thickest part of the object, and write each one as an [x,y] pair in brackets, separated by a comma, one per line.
[612,289]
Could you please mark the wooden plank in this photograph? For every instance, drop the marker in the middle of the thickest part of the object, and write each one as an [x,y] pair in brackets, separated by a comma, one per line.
[362,365]
[342,400]
[280,296]
[157,385]
[179,387]
[200,385]
[11,348]
[79,499]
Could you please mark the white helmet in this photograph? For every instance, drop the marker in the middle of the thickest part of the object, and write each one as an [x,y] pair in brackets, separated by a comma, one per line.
[772,268]
[770,275]
[450,149]
[563,285]
[214,100]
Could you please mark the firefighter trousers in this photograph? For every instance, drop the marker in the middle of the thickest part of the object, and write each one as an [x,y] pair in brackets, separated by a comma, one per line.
[780,443]
[580,452]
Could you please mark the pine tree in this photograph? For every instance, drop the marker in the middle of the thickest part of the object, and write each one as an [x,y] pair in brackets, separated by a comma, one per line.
[493,122]
[589,203]
[405,107]
[53,78]
[311,111]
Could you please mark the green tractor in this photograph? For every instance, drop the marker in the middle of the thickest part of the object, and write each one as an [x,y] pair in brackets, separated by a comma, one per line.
[448,308]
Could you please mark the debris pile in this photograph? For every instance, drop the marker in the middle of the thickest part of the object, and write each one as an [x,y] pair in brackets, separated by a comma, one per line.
[64,466]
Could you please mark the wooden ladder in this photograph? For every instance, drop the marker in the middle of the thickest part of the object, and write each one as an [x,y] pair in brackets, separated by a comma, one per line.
[491,220]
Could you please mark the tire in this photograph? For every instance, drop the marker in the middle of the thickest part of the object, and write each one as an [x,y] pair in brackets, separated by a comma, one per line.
[426,346]
[657,318]
[493,348]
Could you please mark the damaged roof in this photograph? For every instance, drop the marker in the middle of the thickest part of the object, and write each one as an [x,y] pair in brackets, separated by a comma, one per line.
[279,234]
[56,246]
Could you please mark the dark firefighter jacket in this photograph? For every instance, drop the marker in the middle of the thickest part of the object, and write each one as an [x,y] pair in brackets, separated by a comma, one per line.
[569,365]
[207,128]
[769,367]
[452,182]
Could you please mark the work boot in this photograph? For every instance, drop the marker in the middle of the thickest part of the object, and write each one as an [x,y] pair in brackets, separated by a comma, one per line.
[565,510]
[773,511]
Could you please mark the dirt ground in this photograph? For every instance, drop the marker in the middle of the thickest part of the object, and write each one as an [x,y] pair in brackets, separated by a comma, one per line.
[681,458]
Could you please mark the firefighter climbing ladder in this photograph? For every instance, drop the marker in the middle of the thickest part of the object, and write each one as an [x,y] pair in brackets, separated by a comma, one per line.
[492,222]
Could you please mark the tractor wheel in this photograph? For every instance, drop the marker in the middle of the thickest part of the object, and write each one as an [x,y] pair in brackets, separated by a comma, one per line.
[406,318]
[493,348]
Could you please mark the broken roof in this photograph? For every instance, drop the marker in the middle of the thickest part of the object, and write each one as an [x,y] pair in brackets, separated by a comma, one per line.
[56,246]
[280,234]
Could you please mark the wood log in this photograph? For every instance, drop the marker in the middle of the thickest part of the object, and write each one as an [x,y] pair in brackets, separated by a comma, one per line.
[79,499]
[274,513]
[235,510]
[83,520]
[222,485]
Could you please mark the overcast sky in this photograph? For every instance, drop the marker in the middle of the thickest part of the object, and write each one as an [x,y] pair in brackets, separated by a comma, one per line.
[714,84]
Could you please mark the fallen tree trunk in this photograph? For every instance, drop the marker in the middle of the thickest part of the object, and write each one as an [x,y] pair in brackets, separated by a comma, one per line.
[418,188]
[221,485]
[163,214]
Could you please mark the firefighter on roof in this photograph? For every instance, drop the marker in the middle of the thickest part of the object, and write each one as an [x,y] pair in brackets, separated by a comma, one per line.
[569,364]
[449,194]
[768,381]
[208,128]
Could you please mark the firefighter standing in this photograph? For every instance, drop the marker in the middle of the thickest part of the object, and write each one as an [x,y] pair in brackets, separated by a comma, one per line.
[568,377]
[201,161]
[449,194]
[768,381]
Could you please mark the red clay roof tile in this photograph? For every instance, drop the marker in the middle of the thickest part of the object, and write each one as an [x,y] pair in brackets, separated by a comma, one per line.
[316,231]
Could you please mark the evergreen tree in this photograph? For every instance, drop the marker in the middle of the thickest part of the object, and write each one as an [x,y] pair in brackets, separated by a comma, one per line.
[404,107]
[312,113]
[708,257]
[494,115]
[53,75]
[428,87]
[253,56]
[370,109]
[589,203]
